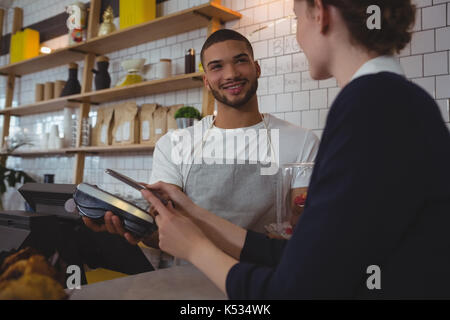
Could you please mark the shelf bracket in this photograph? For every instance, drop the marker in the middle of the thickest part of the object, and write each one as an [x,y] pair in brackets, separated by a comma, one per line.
[209,18]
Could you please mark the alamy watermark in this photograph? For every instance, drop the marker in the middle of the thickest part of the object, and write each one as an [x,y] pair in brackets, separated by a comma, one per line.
[74,279]
[374,280]
[374,21]
[236,146]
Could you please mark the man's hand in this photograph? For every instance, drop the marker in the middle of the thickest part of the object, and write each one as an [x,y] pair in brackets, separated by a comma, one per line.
[112,225]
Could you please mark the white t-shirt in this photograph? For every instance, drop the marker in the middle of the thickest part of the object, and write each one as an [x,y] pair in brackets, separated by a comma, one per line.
[291,144]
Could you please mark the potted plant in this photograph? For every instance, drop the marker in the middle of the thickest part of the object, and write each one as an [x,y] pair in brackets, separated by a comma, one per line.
[186,116]
[12,177]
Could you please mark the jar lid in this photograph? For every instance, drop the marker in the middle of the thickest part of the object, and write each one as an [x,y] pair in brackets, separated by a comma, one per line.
[103,59]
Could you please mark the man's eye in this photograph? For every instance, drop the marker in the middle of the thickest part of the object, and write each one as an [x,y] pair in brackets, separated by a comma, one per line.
[215,67]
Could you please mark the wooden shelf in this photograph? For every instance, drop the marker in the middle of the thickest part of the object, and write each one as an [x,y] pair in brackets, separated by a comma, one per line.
[166,26]
[163,27]
[73,151]
[110,149]
[185,81]
[41,107]
[46,61]
[35,153]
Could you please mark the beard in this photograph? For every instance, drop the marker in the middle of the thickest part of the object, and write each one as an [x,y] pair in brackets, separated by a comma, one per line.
[238,103]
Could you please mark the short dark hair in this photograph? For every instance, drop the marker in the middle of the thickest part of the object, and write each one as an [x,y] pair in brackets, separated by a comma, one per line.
[224,35]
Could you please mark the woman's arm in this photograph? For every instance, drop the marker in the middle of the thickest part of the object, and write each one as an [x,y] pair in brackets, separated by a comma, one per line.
[182,238]
[225,235]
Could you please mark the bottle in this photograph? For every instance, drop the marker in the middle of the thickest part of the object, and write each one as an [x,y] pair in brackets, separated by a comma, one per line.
[102,77]
[189,61]
[72,85]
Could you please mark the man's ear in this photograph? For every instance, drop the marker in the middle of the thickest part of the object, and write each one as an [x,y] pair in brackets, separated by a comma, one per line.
[258,69]
[322,15]
[206,83]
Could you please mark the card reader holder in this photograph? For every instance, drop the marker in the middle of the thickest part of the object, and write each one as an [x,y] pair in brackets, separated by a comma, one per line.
[93,202]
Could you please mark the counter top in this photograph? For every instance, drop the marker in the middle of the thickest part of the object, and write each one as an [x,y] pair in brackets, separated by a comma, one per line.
[176,283]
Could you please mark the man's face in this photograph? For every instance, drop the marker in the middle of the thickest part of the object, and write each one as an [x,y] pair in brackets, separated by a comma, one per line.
[231,74]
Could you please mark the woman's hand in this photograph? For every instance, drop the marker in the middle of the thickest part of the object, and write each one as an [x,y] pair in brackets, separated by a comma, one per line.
[182,202]
[182,238]
[178,234]
[222,233]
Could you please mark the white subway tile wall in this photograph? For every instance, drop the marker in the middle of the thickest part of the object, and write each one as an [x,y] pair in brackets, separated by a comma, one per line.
[285,87]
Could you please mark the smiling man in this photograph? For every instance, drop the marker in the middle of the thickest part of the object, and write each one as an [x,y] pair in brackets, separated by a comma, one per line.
[229,152]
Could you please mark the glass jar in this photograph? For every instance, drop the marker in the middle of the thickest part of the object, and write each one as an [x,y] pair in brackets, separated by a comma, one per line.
[289,201]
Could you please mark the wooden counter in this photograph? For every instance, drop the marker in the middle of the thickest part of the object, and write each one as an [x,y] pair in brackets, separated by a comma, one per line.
[176,283]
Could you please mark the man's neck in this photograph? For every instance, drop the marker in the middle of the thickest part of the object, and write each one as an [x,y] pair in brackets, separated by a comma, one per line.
[242,117]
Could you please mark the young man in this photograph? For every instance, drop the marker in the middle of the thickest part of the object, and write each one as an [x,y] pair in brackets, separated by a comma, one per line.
[228,164]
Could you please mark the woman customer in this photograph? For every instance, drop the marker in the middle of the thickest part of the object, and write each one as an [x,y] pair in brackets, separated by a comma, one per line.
[377,215]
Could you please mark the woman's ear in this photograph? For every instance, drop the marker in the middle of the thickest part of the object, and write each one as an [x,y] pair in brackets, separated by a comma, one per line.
[322,15]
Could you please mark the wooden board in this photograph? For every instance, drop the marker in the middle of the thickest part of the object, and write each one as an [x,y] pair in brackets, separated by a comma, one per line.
[41,107]
[111,149]
[36,153]
[185,81]
[163,27]
[75,151]
[43,62]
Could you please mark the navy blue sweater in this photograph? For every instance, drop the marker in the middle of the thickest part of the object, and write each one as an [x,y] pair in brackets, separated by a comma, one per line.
[379,195]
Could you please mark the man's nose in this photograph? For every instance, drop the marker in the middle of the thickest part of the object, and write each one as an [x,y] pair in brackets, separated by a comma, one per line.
[231,72]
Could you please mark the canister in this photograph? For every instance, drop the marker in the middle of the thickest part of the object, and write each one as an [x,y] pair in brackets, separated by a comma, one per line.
[49,90]
[164,69]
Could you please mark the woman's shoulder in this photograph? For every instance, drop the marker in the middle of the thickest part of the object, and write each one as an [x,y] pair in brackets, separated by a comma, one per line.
[385,91]
[385,86]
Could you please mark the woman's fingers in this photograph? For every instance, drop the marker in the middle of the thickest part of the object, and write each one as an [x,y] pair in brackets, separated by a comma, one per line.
[169,189]
[160,208]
